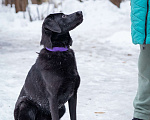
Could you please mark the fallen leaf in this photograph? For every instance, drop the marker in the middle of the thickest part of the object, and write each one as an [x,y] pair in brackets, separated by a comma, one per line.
[129,54]
[99,112]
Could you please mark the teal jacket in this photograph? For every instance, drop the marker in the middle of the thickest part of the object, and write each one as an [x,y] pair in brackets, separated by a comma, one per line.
[140,21]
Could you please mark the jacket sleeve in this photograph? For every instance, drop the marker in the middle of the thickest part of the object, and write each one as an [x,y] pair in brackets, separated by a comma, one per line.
[138,19]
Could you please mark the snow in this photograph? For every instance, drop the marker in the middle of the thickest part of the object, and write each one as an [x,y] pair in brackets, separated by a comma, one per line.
[106,59]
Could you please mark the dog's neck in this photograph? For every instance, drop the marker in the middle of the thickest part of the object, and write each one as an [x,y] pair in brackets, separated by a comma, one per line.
[56,49]
[61,40]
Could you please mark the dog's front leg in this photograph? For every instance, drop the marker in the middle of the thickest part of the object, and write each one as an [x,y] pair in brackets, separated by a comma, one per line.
[54,108]
[53,101]
[52,87]
[72,106]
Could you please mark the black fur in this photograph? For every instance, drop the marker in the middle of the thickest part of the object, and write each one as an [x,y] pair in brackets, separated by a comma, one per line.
[53,79]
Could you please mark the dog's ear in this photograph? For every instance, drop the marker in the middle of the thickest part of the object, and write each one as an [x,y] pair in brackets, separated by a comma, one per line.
[52,25]
[70,39]
[46,39]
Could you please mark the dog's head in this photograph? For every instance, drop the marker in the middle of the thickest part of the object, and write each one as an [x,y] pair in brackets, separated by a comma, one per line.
[56,28]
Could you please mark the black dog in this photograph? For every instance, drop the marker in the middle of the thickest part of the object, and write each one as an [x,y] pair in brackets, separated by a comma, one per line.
[53,79]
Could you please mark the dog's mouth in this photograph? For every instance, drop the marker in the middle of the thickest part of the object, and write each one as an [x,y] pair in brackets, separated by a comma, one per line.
[81,19]
[78,20]
[80,16]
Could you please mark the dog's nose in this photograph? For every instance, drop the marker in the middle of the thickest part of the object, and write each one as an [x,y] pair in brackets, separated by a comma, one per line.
[79,13]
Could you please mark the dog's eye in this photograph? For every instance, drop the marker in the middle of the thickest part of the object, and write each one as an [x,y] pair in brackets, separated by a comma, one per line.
[63,16]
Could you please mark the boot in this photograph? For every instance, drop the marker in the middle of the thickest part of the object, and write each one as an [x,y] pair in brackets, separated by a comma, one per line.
[136,119]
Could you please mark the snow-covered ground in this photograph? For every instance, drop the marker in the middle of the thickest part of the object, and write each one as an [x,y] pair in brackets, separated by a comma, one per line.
[106,59]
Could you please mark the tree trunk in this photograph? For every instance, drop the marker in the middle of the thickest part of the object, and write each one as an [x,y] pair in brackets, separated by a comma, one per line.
[24,4]
[20,5]
[36,2]
[12,2]
[116,2]
[3,2]
[17,6]
[6,2]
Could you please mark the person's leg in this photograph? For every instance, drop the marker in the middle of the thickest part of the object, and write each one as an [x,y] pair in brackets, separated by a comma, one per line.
[142,99]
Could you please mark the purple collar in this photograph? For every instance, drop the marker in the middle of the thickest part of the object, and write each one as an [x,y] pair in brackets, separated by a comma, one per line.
[55,49]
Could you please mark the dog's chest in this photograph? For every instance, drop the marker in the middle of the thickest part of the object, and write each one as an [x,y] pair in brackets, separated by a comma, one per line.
[65,92]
